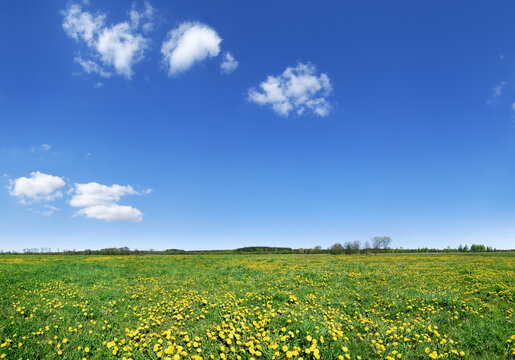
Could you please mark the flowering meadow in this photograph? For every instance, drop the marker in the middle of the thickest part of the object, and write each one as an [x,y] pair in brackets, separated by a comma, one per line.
[458,306]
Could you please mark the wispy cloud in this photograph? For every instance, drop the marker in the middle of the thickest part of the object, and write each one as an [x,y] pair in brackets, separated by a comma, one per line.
[44,151]
[297,89]
[91,67]
[47,210]
[497,91]
[119,45]
[229,64]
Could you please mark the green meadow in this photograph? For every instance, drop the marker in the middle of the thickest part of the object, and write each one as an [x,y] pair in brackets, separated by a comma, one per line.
[441,306]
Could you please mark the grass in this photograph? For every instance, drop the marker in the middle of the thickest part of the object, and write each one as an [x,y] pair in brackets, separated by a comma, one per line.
[457,306]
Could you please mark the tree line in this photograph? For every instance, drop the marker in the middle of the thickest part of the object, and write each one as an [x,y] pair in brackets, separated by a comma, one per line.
[378,244]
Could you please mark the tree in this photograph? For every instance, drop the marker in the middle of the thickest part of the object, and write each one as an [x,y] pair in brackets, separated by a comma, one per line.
[386,242]
[317,249]
[477,248]
[376,243]
[356,245]
[381,242]
[336,249]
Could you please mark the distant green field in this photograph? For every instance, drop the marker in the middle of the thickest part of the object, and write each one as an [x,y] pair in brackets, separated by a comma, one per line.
[258,307]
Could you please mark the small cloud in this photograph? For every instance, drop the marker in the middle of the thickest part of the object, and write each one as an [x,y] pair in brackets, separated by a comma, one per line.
[99,201]
[189,43]
[513,106]
[297,89]
[497,91]
[501,56]
[91,67]
[37,187]
[46,147]
[229,64]
[53,208]
[49,210]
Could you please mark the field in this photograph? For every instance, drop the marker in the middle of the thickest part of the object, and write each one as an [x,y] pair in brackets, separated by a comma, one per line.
[258,307]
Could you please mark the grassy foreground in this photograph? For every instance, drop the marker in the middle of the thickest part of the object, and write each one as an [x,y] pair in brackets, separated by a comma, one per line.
[258,307]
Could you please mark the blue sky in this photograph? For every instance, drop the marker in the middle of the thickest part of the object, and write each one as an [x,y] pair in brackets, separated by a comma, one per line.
[328,123]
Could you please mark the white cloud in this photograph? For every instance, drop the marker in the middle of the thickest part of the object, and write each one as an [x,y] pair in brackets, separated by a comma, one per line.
[229,64]
[53,208]
[82,25]
[112,212]
[497,91]
[42,147]
[296,89]
[94,200]
[513,106]
[91,67]
[37,187]
[120,45]
[144,18]
[49,210]
[189,43]
[93,193]
[101,202]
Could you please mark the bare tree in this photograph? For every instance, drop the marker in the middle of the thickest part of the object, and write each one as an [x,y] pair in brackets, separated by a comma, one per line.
[386,242]
[376,243]
[381,242]
[356,245]
[367,246]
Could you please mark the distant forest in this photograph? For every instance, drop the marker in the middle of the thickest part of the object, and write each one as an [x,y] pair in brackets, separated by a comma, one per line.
[377,245]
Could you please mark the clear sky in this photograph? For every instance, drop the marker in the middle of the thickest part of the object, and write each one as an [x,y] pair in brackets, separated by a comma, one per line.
[222,124]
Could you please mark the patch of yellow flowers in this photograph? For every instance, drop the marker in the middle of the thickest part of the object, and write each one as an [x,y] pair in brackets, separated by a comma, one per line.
[252,307]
